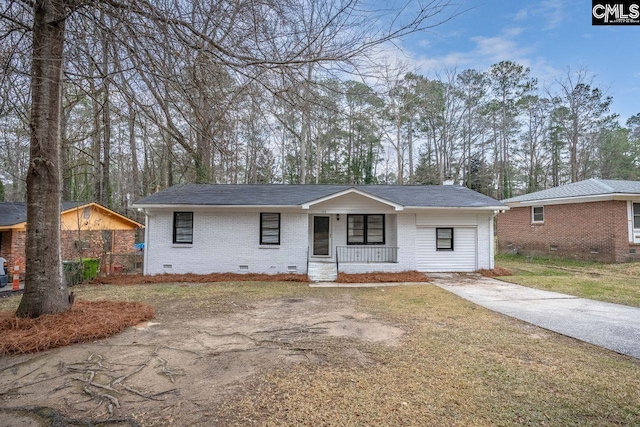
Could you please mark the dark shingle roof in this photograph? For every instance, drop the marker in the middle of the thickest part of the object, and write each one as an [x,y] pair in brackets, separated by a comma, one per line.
[295,195]
[589,187]
[12,213]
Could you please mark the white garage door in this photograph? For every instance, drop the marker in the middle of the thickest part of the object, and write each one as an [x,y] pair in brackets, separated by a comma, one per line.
[462,258]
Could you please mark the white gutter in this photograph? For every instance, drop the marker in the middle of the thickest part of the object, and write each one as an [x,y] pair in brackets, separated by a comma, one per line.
[471,208]
[187,206]
[304,207]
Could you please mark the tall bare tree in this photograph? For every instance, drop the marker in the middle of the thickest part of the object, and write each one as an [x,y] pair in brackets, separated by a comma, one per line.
[252,40]
[45,292]
[586,108]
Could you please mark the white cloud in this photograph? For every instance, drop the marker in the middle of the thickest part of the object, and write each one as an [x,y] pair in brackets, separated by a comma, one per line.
[498,48]
[521,15]
[551,12]
[487,51]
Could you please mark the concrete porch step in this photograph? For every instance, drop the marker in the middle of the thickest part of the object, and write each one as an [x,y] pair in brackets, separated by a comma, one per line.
[322,271]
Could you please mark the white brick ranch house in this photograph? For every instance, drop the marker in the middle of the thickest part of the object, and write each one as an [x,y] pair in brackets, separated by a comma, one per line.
[317,229]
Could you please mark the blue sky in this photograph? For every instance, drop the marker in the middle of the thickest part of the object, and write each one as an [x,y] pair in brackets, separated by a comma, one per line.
[548,36]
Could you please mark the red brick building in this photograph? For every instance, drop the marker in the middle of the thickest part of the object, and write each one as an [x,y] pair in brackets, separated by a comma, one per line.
[591,220]
[88,230]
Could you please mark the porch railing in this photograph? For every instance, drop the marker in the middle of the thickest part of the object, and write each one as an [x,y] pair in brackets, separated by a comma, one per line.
[366,254]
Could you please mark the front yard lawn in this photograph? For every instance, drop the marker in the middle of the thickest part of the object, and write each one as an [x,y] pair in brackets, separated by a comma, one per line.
[274,353]
[616,283]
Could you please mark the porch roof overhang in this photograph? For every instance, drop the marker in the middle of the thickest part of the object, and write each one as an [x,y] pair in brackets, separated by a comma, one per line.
[395,206]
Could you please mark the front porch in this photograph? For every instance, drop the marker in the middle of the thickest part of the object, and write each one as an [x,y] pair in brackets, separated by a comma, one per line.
[333,248]
[366,254]
[353,259]
[352,232]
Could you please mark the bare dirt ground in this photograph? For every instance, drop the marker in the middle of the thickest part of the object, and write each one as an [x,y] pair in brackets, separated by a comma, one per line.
[175,369]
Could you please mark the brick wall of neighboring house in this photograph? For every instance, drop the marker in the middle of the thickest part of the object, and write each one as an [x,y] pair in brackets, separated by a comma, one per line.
[5,245]
[13,249]
[87,244]
[590,231]
[94,244]
[124,241]
[18,241]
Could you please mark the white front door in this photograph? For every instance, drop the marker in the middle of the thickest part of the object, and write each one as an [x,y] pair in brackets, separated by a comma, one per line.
[321,236]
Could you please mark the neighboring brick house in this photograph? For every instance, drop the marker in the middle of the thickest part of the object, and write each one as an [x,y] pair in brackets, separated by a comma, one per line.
[317,229]
[591,220]
[88,230]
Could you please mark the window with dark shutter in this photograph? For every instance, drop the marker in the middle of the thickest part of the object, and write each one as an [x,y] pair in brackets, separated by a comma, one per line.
[183,228]
[269,228]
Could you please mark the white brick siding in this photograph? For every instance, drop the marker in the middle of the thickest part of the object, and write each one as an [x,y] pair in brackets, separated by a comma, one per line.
[223,241]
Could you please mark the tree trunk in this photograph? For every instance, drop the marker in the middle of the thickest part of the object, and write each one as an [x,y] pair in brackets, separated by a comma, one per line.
[45,292]
[105,192]
[410,142]
[135,173]
[65,162]
[399,153]
[573,148]
[96,143]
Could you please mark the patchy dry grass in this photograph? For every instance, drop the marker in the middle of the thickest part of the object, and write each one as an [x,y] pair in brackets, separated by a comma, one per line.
[457,364]
[617,283]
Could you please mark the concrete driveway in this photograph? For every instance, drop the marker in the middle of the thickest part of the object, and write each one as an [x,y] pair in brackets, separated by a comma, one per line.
[612,326]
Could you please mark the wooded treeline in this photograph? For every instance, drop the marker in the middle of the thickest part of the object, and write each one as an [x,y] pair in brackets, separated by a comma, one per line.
[153,110]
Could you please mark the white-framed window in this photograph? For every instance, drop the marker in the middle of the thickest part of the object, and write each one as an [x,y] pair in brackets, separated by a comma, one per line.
[636,216]
[634,221]
[537,214]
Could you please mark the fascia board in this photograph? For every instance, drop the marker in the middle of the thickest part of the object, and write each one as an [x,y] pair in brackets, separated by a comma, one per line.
[458,208]
[179,206]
